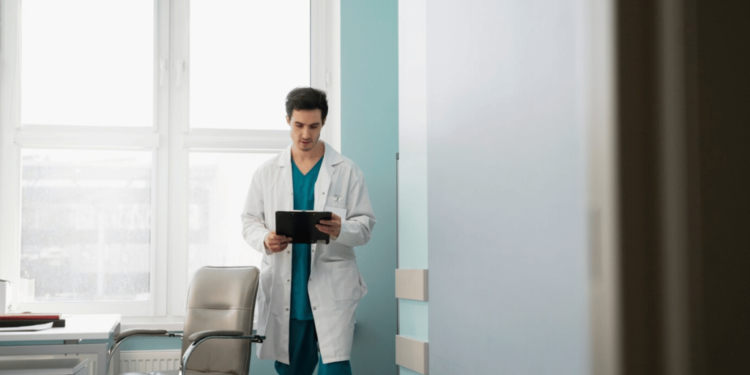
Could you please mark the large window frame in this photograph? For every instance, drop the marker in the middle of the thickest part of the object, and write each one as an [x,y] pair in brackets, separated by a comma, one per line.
[170,139]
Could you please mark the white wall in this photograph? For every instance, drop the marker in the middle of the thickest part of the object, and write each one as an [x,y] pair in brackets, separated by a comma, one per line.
[507,187]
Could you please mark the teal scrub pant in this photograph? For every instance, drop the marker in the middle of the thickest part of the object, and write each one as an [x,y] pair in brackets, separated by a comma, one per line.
[303,353]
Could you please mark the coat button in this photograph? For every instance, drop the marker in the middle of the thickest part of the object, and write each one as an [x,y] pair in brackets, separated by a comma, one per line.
[287,309]
[287,280]
[288,252]
[324,193]
[313,307]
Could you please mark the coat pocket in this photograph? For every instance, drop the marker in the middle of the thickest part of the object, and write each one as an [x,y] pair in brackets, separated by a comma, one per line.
[343,280]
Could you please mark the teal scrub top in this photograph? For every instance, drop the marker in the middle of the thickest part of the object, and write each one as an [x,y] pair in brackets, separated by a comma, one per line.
[304,199]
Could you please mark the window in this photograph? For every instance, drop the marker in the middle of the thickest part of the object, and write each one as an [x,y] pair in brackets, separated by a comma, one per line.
[86,224]
[215,189]
[256,69]
[129,133]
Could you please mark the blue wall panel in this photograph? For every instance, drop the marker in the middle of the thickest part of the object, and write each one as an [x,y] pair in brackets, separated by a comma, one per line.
[369,136]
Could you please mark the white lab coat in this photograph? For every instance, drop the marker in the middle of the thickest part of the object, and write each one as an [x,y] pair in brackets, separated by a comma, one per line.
[335,285]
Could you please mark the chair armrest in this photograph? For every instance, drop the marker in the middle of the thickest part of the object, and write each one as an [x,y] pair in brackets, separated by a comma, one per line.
[203,334]
[199,337]
[130,333]
[134,332]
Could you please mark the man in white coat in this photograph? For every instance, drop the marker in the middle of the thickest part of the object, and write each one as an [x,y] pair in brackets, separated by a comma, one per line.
[308,292]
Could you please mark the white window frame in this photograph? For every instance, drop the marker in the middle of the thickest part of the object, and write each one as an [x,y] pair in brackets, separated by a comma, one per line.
[170,139]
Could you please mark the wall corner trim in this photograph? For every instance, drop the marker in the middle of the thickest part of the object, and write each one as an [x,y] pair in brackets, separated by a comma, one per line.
[411,284]
[412,354]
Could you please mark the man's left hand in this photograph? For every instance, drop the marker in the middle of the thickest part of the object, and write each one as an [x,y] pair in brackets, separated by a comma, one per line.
[331,227]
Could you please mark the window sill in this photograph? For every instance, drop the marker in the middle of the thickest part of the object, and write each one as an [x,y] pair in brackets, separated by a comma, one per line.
[170,324]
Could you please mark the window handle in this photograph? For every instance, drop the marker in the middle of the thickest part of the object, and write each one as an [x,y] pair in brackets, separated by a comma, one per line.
[162,71]
[180,71]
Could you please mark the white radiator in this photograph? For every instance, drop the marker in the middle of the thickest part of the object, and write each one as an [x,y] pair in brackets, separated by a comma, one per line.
[149,360]
[130,361]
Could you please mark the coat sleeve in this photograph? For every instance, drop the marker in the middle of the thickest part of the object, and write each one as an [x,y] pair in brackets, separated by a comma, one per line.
[253,216]
[356,230]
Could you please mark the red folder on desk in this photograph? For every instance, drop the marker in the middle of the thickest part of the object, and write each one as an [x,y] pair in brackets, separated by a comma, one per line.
[31,322]
[30,316]
[20,320]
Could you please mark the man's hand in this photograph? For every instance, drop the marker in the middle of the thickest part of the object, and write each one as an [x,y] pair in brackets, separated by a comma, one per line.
[275,242]
[331,227]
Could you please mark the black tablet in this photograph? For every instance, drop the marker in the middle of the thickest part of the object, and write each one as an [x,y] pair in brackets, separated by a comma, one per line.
[300,225]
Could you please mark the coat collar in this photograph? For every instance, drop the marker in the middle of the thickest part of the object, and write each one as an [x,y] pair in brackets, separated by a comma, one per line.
[330,158]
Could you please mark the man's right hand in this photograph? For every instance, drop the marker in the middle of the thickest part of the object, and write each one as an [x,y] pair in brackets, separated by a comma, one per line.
[276,243]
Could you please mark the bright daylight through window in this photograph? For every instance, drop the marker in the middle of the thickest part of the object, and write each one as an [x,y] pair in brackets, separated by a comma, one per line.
[71,75]
[129,136]
[215,188]
[255,71]
[86,224]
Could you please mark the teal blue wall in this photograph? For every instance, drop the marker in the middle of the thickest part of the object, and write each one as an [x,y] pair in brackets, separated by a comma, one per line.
[369,136]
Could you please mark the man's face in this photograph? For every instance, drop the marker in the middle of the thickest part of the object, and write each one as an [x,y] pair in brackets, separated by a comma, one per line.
[305,126]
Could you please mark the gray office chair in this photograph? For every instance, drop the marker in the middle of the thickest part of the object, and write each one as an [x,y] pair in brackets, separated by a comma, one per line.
[219,318]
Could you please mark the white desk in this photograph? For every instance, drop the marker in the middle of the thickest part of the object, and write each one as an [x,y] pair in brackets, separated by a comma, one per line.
[77,327]
[67,366]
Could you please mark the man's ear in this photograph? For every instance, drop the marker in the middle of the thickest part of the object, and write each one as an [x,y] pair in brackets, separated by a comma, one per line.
[288,120]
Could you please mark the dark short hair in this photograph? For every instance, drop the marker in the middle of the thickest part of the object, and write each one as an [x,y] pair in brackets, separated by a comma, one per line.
[307,98]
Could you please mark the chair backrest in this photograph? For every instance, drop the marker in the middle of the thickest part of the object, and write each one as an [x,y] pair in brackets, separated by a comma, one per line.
[221,298]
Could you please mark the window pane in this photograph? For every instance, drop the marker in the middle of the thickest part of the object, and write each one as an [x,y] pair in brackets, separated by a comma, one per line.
[218,187]
[245,56]
[86,224]
[87,62]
